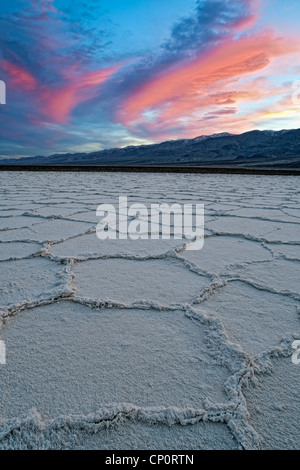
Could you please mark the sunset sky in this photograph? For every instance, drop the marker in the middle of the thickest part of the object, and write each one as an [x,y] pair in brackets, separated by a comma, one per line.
[89,75]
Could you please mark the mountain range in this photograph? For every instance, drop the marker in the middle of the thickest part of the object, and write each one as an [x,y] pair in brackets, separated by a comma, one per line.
[254,149]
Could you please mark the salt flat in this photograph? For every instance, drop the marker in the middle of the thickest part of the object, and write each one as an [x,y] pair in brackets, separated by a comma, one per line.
[123,344]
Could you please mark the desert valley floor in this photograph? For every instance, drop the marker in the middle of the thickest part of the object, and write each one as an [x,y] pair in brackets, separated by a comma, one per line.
[141,344]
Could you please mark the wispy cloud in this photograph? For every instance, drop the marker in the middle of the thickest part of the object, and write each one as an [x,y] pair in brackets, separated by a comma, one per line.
[208,55]
[222,67]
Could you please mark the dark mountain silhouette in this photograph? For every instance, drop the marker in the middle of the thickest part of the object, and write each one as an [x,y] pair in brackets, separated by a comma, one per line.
[255,149]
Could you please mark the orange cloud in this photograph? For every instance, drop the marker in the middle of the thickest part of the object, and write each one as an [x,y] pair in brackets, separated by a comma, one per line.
[170,99]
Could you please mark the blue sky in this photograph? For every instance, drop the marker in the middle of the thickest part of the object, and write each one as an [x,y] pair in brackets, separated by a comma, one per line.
[87,75]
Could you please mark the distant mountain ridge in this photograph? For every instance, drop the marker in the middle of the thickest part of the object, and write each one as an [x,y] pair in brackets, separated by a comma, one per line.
[254,149]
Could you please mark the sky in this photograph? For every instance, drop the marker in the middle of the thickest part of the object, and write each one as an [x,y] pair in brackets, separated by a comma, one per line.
[83,76]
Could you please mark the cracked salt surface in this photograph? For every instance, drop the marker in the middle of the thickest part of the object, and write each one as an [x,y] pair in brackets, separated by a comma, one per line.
[88,246]
[246,312]
[28,279]
[124,435]
[281,276]
[271,412]
[256,229]
[18,250]
[134,345]
[91,357]
[222,252]
[7,223]
[128,281]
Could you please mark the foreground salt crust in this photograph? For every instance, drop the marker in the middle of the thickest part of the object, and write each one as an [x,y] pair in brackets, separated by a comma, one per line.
[127,281]
[90,358]
[123,344]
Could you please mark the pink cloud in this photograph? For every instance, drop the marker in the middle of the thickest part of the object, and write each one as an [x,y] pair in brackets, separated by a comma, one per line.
[19,76]
[177,93]
[56,103]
